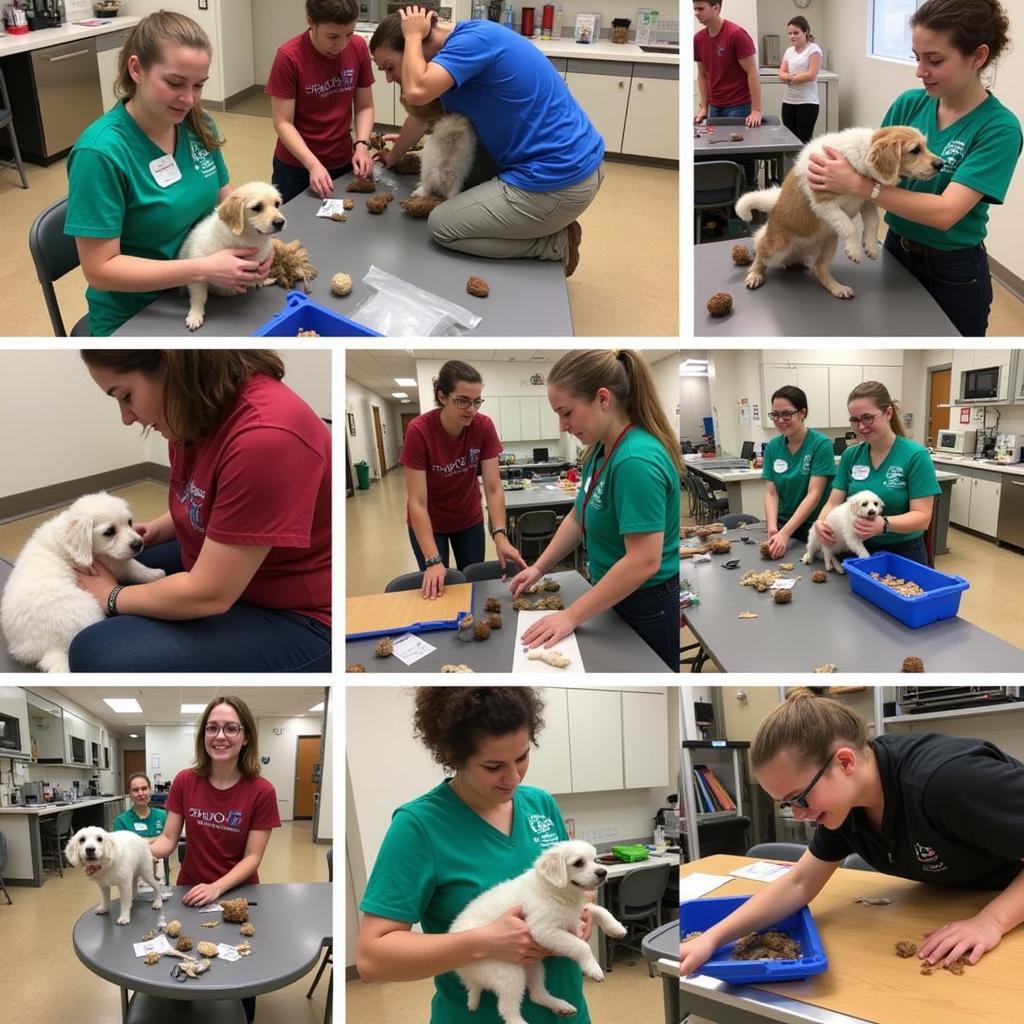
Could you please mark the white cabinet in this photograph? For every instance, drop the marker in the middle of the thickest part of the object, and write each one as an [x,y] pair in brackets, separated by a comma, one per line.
[980,359]
[828,99]
[601,88]
[511,420]
[596,717]
[550,767]
[529,418]
[812,380]
[14,723]
[46,729]
[523,418]
[960,502]
[652,119]
[1018,377]
[975,504]
[386,107]
[644,721]
[549,427]
[108,49]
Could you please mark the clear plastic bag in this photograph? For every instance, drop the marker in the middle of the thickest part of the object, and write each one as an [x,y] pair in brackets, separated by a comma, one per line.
[398,309]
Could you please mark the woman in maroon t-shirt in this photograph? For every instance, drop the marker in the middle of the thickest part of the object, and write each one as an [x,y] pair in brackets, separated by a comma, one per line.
[443,452]
[229,808]
[246,543]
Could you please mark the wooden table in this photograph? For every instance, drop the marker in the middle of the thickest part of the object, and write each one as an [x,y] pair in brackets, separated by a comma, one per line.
[865,980]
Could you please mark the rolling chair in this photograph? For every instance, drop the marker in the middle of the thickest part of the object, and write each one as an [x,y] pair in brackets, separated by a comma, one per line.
[54,254]
[717,184]
[857,863]
[7,121]
[480,571]
[414,580]
[535,529]
[637,905]
[773,163]
[710,504]
[734,519]
[54,832]
[790,852]
[3,864]
[328,960]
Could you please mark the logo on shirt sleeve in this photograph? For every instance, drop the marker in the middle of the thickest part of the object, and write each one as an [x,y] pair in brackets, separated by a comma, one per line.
[474,456]
[895,477]
[192,498]
[953,154]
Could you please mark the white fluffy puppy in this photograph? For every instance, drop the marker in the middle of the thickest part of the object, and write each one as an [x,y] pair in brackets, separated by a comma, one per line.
[553,895]
[447,157]
[862,505]
[247,218]
[42,607]
[804,224]
[114,858]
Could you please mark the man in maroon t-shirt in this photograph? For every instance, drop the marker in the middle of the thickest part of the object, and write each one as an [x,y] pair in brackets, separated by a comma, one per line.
[727,74]
[315,81]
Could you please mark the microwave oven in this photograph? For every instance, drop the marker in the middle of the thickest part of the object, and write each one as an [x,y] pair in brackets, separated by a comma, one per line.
[988,384]
[958,442]
[10,733]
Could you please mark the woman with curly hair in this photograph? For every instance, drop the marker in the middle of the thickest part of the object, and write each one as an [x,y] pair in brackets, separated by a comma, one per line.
[477,828]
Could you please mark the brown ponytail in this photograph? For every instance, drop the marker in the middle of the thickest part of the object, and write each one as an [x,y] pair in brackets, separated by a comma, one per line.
[624,373]
[808,727]
[146,41]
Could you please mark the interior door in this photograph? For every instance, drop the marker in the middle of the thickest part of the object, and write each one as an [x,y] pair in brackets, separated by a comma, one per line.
[938,395]
[307,759]
[379,433]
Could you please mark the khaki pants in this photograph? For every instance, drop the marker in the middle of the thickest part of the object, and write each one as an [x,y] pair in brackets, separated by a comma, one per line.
[499,221]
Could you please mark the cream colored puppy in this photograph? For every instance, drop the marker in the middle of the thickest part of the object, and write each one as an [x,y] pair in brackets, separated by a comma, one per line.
[862,505]
[553,895]
[447,157]
[247,218]
[114,858]
[807,225]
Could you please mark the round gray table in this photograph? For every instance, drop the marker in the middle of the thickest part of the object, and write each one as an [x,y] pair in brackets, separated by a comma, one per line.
[528,297]
[293,923]
[826,622]
[659,946]
[606,642]
[889,300]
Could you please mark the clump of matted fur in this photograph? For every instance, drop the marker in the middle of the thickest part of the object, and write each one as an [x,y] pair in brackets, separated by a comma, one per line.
[290,265]
[361,185]
[420,206]
[378,202]
[234,911]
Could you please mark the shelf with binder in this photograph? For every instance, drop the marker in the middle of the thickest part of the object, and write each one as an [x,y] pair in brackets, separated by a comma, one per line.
[712,790]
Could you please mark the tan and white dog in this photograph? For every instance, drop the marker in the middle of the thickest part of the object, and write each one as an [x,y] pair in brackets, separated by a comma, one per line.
[248,218]
[807,225]
[447,157]
[862,505]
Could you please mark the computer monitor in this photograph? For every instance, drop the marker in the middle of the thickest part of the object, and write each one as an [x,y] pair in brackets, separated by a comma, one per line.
[838,445]
[540,455]
[747,451]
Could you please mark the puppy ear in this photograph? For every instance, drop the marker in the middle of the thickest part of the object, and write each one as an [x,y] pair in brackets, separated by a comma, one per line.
[232,212]
[71,852]
[75,538]
[884,157]
[552,868]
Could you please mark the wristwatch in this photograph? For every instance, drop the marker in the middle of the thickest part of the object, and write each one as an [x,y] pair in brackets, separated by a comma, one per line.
[361,142]
[876,189]
[500,529]
[432,561]
[885,524]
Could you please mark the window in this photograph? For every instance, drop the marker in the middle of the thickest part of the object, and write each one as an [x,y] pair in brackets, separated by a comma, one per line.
[889,29]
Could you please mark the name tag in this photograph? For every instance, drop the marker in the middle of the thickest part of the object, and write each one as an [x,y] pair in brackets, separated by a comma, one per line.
[780,465]
[140,826]
[860,472]
[165,170]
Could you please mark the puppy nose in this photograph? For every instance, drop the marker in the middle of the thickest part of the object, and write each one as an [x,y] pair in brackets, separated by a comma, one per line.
[279,223]
[938,164]
[136,545]
[600,872]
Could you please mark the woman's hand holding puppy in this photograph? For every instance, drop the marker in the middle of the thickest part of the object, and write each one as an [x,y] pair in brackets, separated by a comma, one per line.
[508,938]
[825,532]
[234,270]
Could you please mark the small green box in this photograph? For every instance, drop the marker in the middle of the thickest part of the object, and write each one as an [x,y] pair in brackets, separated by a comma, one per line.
[630,854]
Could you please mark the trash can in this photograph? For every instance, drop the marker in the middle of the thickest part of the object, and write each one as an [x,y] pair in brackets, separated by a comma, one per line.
[363,474]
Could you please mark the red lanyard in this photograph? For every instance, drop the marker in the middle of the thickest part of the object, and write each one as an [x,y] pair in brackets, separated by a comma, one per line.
[597,476]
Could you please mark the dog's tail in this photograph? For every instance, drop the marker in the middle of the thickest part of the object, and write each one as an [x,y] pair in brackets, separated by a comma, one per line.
[764,200]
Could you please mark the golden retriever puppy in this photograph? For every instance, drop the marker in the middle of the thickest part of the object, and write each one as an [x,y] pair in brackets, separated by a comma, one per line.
[247,218]
[807,225]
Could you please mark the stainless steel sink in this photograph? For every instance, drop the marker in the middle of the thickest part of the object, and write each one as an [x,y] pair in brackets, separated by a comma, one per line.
[660,49]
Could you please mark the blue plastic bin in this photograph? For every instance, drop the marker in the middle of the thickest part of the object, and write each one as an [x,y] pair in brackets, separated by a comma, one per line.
[941,599]
[700,915]
[300,313]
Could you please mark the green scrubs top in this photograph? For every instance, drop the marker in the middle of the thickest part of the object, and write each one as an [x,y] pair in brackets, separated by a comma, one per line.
[149,827]
[792,474]
[437,856]
[907,472]
[637,493]
[980,151]
[114,192]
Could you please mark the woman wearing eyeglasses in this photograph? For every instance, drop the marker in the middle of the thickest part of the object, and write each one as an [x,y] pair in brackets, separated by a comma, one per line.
[898,470]
[799,465]
[443,453]
[930,808]
[230,809]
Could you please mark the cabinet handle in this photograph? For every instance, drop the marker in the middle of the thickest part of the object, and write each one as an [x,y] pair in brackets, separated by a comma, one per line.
[67,56]
[639,85]
[622,84]
[1016,483]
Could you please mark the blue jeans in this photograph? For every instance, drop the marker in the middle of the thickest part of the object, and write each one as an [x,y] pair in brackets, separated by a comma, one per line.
[912,549]
[741,111]
[958,280]
[243,639]
[290,181]
[653,612]
[467,546]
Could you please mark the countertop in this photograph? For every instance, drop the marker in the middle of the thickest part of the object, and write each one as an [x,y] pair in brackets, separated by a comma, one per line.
[732,476]
[65,34]
[42,809]
[967,461]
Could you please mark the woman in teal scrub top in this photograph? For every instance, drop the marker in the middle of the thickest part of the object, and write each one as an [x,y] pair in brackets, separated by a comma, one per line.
[626,512]
[472,831]
[142,174]
[798,468]
[898,470]
[937,228]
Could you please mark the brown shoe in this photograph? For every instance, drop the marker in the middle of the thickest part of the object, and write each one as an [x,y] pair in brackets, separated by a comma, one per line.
[574,235]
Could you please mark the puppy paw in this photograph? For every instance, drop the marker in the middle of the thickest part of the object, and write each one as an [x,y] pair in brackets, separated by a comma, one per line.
[853,251]
[806,558]
[838,567]
[103,910]
[871,251]
[842,291]
[194,320]
[149,575]
[617,931]
[593,971]
[753,280]
[562,1008]
[124,919]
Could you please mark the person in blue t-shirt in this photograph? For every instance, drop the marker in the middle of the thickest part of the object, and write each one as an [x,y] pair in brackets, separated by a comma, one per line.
[547,152]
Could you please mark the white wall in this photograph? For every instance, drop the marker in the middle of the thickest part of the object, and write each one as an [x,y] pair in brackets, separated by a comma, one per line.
[360,401]
[273,22]
[694,405]
[81,432]
[175,748]
[282,751]
[235,49]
